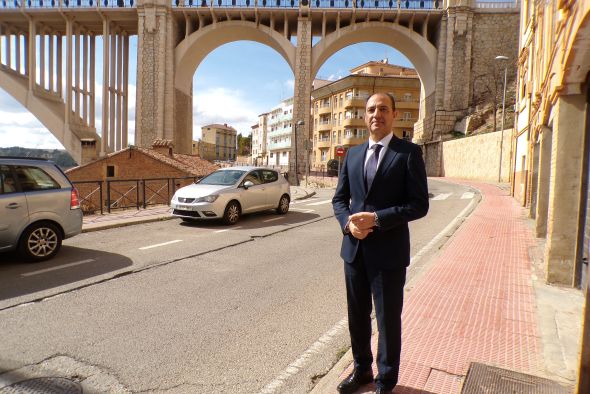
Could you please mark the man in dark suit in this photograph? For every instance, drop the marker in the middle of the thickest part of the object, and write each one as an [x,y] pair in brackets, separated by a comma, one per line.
[382,186]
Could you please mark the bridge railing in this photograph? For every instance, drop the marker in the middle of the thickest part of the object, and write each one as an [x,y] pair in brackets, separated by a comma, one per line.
[368,4]
[16,4]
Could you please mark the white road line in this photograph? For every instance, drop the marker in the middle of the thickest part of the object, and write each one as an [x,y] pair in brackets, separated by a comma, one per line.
[467,195]
[302,210]
[319,202]
[58,267]
[443,196]
[273,219]
[162,244]
[318,347]
[221,231]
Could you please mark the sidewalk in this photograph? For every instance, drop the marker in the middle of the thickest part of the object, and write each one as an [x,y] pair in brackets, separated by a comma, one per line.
[479,301]
[127,217]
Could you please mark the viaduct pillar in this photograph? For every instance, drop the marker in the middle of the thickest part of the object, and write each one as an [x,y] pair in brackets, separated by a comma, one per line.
[161,111]
[302,96]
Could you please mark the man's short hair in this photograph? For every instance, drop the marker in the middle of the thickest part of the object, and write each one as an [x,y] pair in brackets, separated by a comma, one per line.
[385,94]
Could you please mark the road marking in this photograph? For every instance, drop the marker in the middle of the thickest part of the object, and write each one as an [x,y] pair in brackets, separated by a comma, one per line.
[273,219]
[443,196]
[58,267]
[296,366]
[162,244]
[227,229]
[319,202]
[303,210]
[467,195]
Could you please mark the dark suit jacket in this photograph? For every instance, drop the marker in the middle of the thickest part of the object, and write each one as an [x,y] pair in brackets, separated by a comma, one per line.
[399,194]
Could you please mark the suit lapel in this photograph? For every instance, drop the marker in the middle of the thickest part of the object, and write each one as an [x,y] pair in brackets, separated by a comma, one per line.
[360,168]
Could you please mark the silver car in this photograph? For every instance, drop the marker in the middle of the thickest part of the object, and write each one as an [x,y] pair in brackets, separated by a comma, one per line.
[230,192]
[39,208]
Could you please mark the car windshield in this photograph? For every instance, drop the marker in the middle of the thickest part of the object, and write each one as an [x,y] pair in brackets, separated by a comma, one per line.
[222,177]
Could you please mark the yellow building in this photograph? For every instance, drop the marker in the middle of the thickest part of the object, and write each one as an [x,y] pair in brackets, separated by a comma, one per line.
[339,107]
[550,147]
[223,139]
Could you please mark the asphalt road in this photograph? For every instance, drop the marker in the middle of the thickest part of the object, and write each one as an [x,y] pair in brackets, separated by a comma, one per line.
[194,308]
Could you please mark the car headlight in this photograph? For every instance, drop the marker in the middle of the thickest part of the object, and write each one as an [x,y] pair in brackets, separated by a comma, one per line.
[210,198]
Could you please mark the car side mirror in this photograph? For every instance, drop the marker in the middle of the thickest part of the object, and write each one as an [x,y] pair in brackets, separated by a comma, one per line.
[248,184]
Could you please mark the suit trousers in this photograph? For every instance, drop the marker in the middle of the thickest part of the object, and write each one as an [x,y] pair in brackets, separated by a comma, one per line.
[386,286]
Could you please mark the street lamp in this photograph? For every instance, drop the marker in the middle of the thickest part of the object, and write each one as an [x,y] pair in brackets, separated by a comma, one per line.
[502,58]
[297,125]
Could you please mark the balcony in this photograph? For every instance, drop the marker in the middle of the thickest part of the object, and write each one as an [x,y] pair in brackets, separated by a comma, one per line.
[407,104]
[355,101]
[325,109]
[324,126]
[405,122]
[353,122]
[323,143]
[279,145]
[352,141]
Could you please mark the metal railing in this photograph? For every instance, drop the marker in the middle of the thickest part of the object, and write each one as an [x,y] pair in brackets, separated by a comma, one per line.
[292,4]
[96,196]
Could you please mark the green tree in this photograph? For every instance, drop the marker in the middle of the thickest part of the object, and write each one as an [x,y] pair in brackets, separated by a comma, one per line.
[244,145]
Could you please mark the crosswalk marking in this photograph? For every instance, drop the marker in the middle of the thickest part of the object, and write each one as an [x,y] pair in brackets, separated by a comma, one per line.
[442,196]
[467,195]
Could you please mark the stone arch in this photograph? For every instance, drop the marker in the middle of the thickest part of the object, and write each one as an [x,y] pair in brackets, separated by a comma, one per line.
[418,49]
[577,58]
[193,49]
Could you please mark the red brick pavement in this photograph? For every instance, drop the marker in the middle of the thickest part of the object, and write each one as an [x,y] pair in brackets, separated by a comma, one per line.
[475,303]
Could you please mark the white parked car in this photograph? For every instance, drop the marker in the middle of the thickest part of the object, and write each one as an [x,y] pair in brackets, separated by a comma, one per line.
[230,192]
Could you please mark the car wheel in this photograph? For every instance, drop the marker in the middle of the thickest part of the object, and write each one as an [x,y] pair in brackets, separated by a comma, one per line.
[232,213]
[39,242]
[283,207]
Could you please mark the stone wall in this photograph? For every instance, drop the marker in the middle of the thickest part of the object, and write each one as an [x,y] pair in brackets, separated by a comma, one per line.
[477,157]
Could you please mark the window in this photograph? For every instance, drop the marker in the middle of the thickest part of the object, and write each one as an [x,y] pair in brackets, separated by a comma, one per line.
[110,171]
[407,116]
[33,178]
[7,184]
[324,154]
[269,176]
[253,177]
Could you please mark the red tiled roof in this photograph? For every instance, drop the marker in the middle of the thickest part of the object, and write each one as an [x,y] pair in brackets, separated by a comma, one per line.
[191,164]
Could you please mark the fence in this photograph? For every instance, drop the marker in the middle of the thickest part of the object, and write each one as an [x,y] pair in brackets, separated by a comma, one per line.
[95,196]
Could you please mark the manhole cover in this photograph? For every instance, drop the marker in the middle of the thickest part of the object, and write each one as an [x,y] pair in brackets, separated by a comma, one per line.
[43,386]
[485,379]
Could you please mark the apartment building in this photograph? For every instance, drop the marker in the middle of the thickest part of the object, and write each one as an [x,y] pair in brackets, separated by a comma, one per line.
[275,128]
[259,142]
[550,148]
[339,107]
[218,142]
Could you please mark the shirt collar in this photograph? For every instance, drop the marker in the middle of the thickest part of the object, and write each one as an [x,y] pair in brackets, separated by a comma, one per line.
[384,141]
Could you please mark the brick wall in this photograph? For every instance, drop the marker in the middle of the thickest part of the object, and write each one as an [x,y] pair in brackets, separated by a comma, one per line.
[128,164]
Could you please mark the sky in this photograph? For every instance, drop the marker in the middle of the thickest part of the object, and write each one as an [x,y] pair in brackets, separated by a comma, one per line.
[234,84]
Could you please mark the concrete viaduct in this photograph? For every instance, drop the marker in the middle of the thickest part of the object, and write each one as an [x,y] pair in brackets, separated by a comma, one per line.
[48,50]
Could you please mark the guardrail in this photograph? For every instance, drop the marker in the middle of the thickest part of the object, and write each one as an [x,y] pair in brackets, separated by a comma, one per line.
[97,196]
[292,4]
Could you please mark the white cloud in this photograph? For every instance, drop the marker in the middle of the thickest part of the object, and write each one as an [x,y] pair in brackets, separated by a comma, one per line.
[222,105]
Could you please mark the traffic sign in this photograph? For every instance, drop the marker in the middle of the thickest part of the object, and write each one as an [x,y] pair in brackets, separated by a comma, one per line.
[339,151]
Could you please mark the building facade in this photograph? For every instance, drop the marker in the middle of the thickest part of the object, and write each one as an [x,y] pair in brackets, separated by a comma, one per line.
[339,107]
[259,156]
[223,139]
[277,125]
[549,172]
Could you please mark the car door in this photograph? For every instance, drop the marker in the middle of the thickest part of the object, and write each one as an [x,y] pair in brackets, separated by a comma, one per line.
[273,188]
[14,213]
[254,197]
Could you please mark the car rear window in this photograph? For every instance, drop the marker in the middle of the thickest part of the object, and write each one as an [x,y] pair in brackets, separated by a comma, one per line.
[269,176]
[34,178]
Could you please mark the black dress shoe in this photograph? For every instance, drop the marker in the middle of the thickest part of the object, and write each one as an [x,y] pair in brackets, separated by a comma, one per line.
[355,381]
[382,390]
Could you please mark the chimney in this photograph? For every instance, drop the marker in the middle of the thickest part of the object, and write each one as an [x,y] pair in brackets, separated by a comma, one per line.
[163,146]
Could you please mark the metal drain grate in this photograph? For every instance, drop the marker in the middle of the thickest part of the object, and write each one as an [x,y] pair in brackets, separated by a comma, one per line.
[43,386]
[485,379]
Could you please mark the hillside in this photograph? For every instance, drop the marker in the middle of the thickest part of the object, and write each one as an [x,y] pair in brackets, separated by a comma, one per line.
[59,156]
